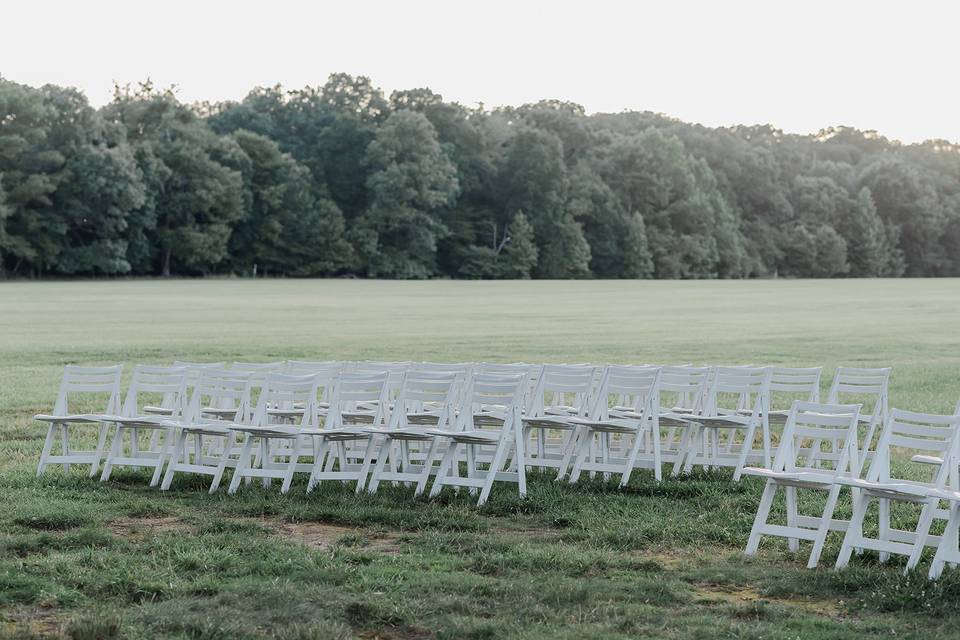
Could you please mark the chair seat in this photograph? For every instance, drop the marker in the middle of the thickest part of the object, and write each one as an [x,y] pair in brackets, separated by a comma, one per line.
[549,422]
[403,433]
[147,422]
[805,478]
[924,459]
[721,421]
[423,418]
[616,425]
[907,490]
[207,428]
[75,417]
[340,433]
[469,436]
[274,430]
[223,413]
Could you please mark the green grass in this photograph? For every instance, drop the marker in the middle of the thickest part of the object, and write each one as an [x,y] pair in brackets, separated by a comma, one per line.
[80,559]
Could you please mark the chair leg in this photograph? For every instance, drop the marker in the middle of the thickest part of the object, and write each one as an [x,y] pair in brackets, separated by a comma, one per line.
[98,452]
[884,525]
[923,528]
[291,465]
[427,466]
[854,530]
[948,543]
[763,512]
[367,461]
[632,456]
[158,441]
[116,447]
[175,458]
[384,453]
[320,446]
[228,442]
[520,460]
[65,445]
[446,462]
[47,446]
[569,443]
[583,452]
[793,544]
[495,465]
[745,450]
[241,464]
[825,519]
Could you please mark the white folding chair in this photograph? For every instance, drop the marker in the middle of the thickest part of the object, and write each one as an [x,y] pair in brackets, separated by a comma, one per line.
[80,384]
[207,421]
[637,387]
[786,384]
[741,388]
[948,551]
[907,432]
[427,401]
[279,392]
[169,385]
[683,391]
[358,401]
[489,417]
[863,385]
[562,392]
[801,463]
[193,375]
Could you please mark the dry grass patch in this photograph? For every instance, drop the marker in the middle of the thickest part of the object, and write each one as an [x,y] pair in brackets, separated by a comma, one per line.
[139,528]
[740,596]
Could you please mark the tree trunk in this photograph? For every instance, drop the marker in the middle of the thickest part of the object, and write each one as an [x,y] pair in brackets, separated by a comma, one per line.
[165,264]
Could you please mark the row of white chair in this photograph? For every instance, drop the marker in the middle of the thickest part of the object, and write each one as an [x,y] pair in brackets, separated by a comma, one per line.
[352,419]
[924,473]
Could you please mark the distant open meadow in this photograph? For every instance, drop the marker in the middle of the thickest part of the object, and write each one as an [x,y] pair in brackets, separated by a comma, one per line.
[81,559]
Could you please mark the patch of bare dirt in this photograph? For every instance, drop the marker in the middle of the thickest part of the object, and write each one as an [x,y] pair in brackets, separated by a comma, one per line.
[743,595]
[139,528]
[404,632]
[33,622]
[318,535]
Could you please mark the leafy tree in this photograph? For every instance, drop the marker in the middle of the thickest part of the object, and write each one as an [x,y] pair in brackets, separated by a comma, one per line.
[870,250]
[287,229]
[196,196]
[412,179]
[813,251]
[692,229]
[519,256]
[905,197]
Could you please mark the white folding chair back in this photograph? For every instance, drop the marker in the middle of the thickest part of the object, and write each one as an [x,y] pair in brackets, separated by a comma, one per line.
[259,370]
[194,369]
[272,418]
[80,386]
[623,419]
[922,436]
[489,417]
[791,384]
[561,392]
[683,391]
[869,387]
[738,399]
[806,460]
[530,371]
[220,398]
[163,387]
[284,392]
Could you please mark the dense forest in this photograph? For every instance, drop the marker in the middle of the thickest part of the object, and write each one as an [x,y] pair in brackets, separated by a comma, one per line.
[340,179]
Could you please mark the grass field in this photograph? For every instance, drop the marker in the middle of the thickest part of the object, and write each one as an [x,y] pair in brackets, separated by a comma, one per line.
[80,559]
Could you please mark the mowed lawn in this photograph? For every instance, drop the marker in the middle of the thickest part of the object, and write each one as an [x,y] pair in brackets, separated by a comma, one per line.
[80,559]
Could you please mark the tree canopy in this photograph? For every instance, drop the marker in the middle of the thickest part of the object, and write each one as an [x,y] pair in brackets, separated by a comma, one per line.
[340,179]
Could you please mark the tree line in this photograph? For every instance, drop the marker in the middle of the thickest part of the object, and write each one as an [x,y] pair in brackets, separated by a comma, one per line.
[340,179]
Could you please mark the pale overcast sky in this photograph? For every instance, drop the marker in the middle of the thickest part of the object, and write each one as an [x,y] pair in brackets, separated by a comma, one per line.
[800,65]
